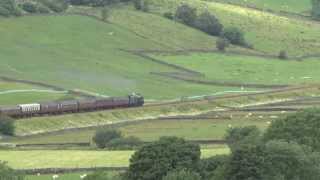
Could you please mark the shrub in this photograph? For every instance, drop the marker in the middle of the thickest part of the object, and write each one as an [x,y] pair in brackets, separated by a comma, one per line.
[234,36]
[105,12]
[222,44]
[43,9]
[100,175]
[208,23]
[168,15]
[210,167]
[141,5]
[56,5]
[6,125]
[7,173]
[30,7]
[155,160]
[124,143]
[4,12]
[236,137]
[283,55]
[182,175]
[103,136]
[186,14]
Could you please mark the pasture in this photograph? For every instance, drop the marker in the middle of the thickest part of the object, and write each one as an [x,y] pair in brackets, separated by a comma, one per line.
[291,6]
[200,129]
[248,69]
[78,158]
[267,32]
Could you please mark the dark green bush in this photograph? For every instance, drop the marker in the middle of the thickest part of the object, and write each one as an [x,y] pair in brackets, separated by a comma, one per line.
[315,12]
[4,12]
[56,5]
[234,36]
[30,7]
[103,136]
[283,55]
[168,15]
[182,175]
[208,23]
[186,14]
[43,9]
[7,173]
[6,125]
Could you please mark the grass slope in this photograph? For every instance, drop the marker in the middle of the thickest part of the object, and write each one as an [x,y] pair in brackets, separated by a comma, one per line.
[78,158]
[248,69]
[58,50]
[152,130]
[301,6]
[267,32]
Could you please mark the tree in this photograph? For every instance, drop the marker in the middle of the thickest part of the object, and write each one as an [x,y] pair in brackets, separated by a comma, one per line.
[6,125]
[302,127]
[103,136]
[7,173]
[234,36]
[153,161]
[9,7]
[141,5]
[222,44]
[182,175]
[186,14]
[236,137]
[105,12]
[315,12]
[211,167]
[30,7]
[208,23]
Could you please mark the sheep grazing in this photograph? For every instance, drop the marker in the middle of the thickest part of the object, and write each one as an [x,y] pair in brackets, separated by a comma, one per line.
[83,176]
[56,176]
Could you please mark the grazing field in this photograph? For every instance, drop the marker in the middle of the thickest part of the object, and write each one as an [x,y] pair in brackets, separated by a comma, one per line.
[248,69]
[17,93]
[77,158]
[57,50]
[294,6]
[68,176]
[152,130]
[267,32]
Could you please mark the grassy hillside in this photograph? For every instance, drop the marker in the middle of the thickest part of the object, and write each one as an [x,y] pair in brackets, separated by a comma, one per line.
[77,52]
[248,69]
[301,6]
[265,31]
[77,158]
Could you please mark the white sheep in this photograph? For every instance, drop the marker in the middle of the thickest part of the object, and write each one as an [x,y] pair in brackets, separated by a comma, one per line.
[56,176]
[83,176]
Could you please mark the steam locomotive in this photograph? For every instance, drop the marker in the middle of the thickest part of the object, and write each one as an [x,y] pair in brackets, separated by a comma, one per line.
[72,106]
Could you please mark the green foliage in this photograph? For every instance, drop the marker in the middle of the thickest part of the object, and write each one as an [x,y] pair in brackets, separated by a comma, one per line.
[222,44]
[6,125]
[287,161]
[141,5]
[208,23]
[103,136]
[186,14]
[211,167]
[30,7]
[315,12]
[302,127]
[124,143]
[237,137]
[6,173]
[101,175]
[182,175]
[235,36]
[9,8]
[56,5]
[155,160]
[168,15]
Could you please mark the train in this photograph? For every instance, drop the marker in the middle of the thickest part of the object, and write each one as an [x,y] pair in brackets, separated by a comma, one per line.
[72,106]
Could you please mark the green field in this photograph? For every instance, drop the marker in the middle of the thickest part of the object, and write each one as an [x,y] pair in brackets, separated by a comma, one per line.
[301,6]
[267,32]
[248,69]
[69,176]
[152,130]
[78,158]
